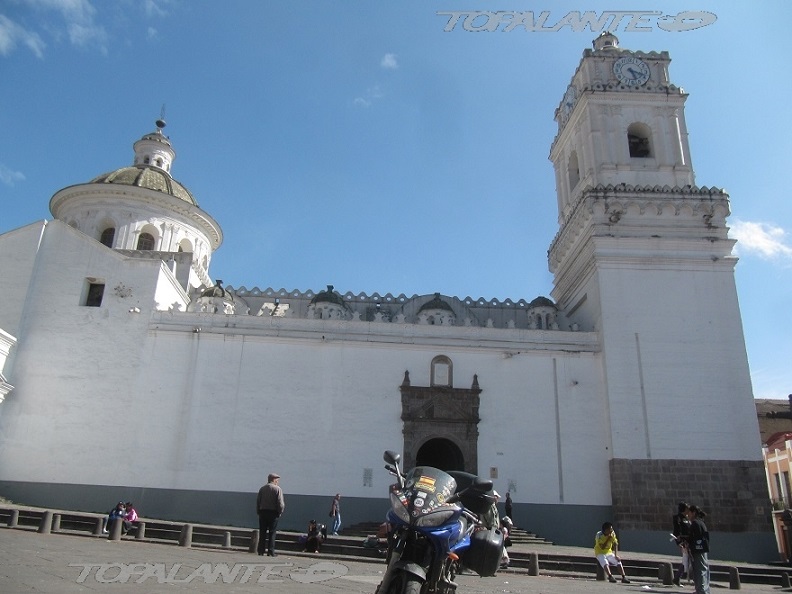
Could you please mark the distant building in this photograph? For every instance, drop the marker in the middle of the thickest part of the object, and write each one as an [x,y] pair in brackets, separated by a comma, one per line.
[130,374]
[776,415]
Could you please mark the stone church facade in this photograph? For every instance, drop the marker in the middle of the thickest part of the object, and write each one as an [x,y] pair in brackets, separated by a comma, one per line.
[127,372]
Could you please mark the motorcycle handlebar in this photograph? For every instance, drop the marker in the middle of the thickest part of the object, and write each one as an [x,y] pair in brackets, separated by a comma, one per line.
[471,516]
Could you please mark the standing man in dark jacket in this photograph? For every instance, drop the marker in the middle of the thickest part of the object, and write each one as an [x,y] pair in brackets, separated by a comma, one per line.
[698,547]
[269,507]
[508,506]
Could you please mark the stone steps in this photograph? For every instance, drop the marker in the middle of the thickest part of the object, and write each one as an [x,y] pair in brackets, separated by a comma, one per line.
[526,555]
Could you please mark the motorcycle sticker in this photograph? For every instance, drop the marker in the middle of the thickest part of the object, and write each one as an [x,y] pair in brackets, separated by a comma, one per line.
[426,483]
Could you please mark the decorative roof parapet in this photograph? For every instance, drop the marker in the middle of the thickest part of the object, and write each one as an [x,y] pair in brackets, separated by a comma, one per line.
[387,298]
[538,314]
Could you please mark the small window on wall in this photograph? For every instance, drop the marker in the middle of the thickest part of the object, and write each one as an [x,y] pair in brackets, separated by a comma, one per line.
[108,235]
[95,294]
[145,241]
[442,372]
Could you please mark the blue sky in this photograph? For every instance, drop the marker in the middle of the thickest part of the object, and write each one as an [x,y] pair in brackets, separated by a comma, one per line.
[358,143]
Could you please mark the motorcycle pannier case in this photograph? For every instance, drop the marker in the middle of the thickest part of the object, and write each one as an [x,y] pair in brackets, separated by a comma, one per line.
[485,552]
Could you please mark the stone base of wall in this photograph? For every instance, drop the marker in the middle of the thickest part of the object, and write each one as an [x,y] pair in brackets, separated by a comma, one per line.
[645,493]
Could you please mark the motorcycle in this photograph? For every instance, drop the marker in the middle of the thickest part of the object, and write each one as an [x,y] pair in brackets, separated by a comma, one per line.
[435,530]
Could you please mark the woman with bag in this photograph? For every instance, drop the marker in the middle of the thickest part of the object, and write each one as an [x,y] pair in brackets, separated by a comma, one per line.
[335,513]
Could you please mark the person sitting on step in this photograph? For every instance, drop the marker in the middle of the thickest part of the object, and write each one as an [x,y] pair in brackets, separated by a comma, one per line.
[605,549]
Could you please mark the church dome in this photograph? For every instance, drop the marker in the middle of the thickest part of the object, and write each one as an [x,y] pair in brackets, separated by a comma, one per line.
[213,300]
[328,305]
[542,314]
[605,41]
[149,177]
[436,303]
[436,312]
[140,208]
[154,156]
[217,291]
[328,296]
[542,302]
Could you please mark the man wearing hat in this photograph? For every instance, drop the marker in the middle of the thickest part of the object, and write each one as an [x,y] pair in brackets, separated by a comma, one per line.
[269,507]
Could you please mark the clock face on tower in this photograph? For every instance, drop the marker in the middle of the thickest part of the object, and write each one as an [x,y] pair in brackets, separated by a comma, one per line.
[630,71]
[568,102]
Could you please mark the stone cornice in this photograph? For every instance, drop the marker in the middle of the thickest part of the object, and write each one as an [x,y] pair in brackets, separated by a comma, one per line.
[696,211]
[511,342]
[158,200]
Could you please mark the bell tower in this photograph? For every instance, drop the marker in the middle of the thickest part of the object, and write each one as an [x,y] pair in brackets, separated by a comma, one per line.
[643,258]
[621,121]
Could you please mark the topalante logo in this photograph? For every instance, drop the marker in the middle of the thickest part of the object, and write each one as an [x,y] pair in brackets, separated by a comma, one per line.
[629,21]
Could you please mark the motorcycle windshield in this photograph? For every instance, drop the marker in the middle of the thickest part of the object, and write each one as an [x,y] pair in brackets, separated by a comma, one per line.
[426,488]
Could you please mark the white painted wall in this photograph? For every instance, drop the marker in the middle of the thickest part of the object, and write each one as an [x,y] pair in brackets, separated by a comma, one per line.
[107,396]
[696,383]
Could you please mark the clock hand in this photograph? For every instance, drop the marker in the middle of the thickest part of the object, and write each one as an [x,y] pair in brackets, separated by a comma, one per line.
[635,74]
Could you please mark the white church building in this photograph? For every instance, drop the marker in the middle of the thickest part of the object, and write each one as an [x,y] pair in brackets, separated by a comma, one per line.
[628,389]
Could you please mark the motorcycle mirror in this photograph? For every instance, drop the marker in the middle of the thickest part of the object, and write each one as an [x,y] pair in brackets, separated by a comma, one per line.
[481,485]
[391,457]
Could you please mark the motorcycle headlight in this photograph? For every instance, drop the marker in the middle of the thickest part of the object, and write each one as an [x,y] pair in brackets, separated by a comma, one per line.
[399,508]
[436,517]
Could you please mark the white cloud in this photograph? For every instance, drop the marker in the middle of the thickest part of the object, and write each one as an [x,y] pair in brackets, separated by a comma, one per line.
[155,8]
[79,21]
[372,94]
[72,11]
[10,177]
[763,239]
[389,62]
[375,93]
[12,34]
[86,34]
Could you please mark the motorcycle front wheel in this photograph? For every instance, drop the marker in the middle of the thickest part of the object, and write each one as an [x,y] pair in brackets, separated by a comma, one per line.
[405,583]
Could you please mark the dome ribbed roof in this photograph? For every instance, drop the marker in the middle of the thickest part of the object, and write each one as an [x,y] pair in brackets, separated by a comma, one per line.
[436,303]
[329,296]
[542,302]
[217,291]
[149,177]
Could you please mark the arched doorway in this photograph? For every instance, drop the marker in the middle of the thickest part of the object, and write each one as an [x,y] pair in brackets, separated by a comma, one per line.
[440,453]
[440,422]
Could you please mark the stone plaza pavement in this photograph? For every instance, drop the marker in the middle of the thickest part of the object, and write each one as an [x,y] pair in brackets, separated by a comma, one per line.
[66,564]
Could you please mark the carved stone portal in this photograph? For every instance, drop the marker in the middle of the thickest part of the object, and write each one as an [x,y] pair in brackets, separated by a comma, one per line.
[440,425]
